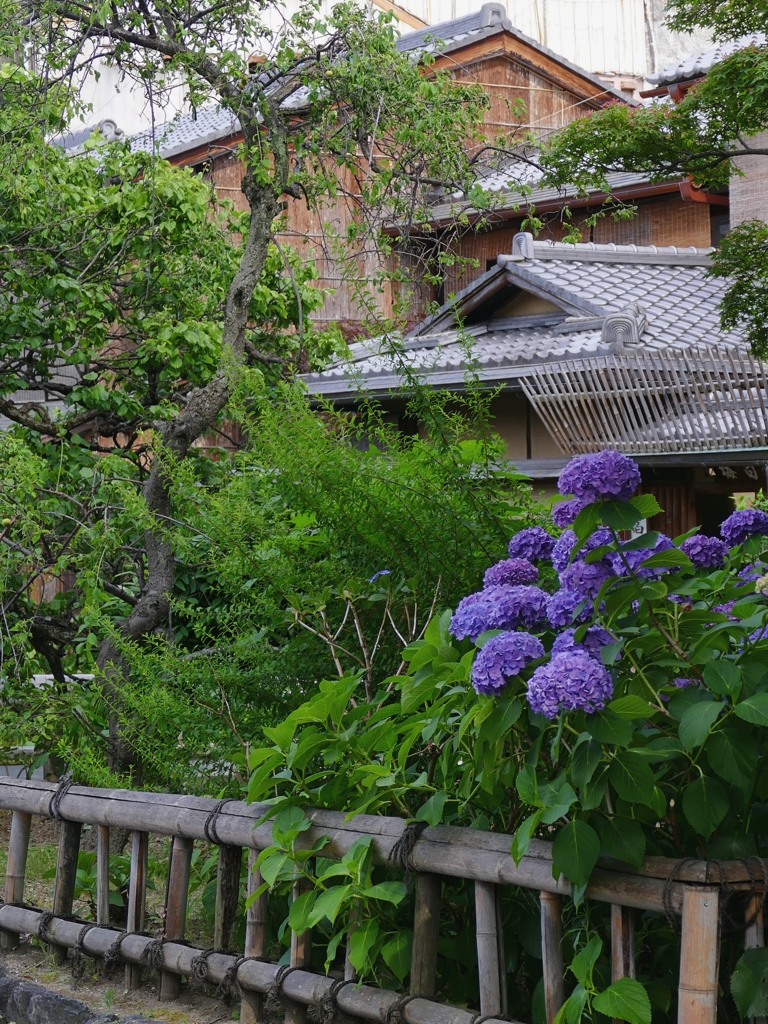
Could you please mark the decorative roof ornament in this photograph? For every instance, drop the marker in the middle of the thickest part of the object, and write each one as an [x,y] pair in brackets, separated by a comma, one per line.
[522,245]
[626,327]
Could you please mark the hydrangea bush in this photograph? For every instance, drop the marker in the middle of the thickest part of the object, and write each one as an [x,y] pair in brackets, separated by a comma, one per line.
[606,694]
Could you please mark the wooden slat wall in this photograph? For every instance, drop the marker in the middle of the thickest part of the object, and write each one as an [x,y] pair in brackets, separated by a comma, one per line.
[679,504]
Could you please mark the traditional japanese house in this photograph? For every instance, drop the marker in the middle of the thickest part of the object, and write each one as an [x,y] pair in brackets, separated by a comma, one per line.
[591,346]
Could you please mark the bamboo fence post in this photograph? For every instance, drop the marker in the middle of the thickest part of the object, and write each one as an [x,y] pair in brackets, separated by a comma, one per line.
[426,931]
[102,875]
[66,877]
[490,958]
[16,867]
[552,953]
[622,944]
[301,956]
[754,936]
[176,909]
[137,899]
[256,921]
[227,893]
[699,954]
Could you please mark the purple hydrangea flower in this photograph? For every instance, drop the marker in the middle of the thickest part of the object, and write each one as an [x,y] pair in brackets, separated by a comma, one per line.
[562,606]
[586,578]
[607,474]
[561,553]
[752,572]
[725,609]
[635,559]
[471,616]
[682,599]
[564,512]
[591,643]
[498,607]
[512,571]
[504,656]
[740,525]
[571,681]
[533,543]
[682,682]
[705,552]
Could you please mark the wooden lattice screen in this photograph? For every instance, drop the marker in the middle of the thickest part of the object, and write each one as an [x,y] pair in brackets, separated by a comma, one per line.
[711,398]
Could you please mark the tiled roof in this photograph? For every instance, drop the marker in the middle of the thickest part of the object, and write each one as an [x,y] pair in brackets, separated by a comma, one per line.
[186,132]
[587,281]
[695,67]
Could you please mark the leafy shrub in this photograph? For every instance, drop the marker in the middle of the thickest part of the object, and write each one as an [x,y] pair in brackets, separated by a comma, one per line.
[630,727]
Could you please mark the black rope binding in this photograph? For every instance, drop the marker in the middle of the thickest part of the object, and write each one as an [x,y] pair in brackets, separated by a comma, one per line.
[481,1018]
[152,957]
[43,934]
[402,852]
[114,954]
[274,996]
[228,989]
[199,967]
[732,902]
[210,822]
[79,962]
[54,806]
[328,1008]
[395,1014]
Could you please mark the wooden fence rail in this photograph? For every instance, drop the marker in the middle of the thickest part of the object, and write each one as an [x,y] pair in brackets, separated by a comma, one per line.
[481,857]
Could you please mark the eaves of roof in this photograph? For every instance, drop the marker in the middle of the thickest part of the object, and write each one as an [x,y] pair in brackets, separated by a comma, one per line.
[698,65]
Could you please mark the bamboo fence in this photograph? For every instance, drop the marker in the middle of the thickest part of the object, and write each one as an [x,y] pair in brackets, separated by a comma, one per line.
[691,889]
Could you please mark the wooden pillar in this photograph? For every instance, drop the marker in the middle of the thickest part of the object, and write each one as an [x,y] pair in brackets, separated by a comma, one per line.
[176,909]
[491,969]
[102,875]
[256,921]
[426,931]
[754,936]
[66,877]
[227,894]
[301,956]
[699,957]
[16,867]
[137,899]
[622,944]
[552,953]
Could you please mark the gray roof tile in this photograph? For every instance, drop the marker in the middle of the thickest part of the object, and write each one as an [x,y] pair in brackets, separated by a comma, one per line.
[680,301]
[700,63]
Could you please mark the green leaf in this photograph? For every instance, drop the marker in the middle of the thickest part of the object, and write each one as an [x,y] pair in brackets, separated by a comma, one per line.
[586,758]
[669,558]
[733,755]
[392,892]
[432,810]
[631,708]
[522,839]
[705,804]
[646,505]
[623,839]
[300,911]
[723,678]
[625,999]
[749,983]
[754,709]
[527,786]
[397,953]
[361,941]
[609,728]
[696,723]
[631,777]
[621,515]
[586,522]
[327,904]
[585,960]
[575,852]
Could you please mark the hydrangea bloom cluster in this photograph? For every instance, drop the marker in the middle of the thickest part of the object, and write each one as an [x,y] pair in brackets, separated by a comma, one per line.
[585,578]
[561,609]
[512,571]
[752,572]
[561,553]
[607,474]
[571,681]
[682,682]
[503,657]
[533,543]
[499,607]
[705,552]
[742,524]
[591,643]
[564,512]
[635,559]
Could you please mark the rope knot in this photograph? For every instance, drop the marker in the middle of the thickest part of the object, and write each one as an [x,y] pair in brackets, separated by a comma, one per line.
[402,852]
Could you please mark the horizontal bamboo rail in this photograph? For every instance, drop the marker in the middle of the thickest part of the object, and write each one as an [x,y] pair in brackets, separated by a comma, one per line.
[689,888]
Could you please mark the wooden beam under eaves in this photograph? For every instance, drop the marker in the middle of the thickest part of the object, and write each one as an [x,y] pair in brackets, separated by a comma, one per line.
[401,14]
